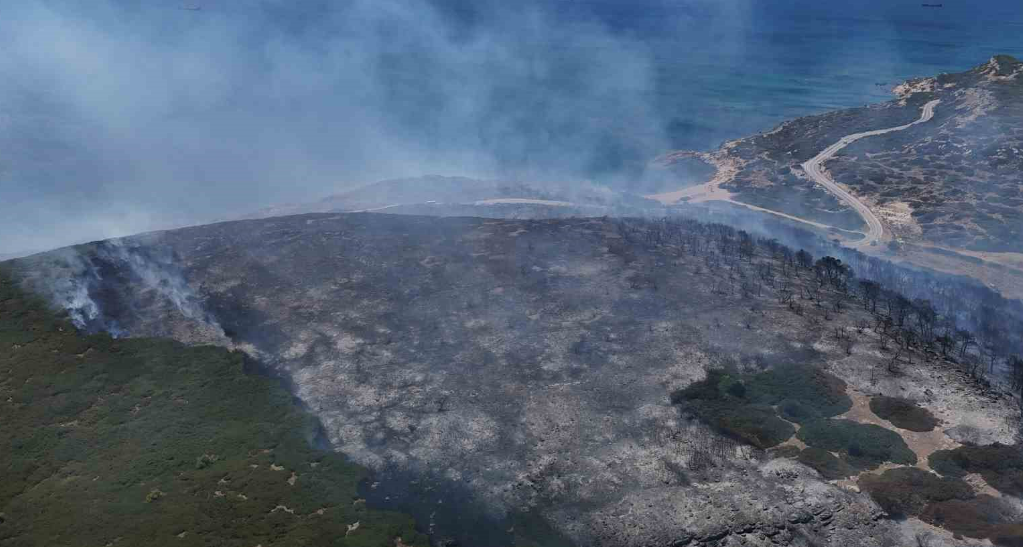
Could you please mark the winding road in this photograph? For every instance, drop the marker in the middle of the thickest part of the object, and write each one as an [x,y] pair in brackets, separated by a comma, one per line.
[711,191]
[814,167]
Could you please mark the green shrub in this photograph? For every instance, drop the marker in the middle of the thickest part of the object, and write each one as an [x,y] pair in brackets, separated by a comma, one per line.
[719,400]
[798,412]
[733,386]
[906,491]
[983,517]
[754,424]
[1009,534]
[204,461]
[903,413]
[705,391]
[1000,465]
[786,451]
[825,463]
[805,384]
[864,446]
[740,406]
[129,441]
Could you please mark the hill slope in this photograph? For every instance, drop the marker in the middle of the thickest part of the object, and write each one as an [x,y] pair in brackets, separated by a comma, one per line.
[150,442]
[515,381]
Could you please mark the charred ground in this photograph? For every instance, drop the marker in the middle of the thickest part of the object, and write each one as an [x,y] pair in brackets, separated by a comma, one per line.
[525,369]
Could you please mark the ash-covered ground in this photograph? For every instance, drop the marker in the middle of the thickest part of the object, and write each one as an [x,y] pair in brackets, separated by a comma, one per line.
[509,381]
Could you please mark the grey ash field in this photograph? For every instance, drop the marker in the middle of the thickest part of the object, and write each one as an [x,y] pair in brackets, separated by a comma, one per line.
[522,371]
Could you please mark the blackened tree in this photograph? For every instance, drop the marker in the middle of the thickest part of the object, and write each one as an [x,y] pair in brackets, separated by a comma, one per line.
[870,291]
[804,259]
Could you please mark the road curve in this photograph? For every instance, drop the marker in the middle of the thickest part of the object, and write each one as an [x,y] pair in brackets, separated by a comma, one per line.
[814,167]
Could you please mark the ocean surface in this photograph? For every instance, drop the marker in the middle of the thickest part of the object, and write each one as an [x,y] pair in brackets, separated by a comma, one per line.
[123,116]
[731,69]
[785,59]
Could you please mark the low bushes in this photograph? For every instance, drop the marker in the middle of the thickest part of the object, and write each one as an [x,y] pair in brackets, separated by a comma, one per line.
[1000,465]
[756,424]
[983,517]
[785,451]
[711,390]
[864,446]
[906,491]
[903,413]
[806,385]
[149,442]
[825,463]
[797,411]
[946,502]
[720,401]
[1007,535]
[742,406]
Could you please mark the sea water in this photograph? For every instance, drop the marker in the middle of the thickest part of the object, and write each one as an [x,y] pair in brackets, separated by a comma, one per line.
[729,69]
[792,61]
[724,73]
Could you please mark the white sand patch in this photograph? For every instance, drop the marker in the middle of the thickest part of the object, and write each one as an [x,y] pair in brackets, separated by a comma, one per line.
[726,165]
[898,215]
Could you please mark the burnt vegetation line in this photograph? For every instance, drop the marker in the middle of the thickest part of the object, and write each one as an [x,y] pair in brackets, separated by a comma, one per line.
[950,322]
[757,407]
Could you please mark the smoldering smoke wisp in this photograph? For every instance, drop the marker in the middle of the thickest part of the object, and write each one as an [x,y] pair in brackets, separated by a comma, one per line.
[157,271]
[76,284]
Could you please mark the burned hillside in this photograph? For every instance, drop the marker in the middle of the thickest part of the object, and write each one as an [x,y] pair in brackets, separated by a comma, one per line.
[520,380]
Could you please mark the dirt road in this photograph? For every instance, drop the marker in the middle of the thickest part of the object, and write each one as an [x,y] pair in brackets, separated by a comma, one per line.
[815,169]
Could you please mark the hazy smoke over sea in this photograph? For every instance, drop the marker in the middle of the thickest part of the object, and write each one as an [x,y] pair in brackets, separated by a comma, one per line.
[118,116]
[121,116]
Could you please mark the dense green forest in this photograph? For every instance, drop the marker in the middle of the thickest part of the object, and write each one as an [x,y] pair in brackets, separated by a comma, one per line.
[109,441]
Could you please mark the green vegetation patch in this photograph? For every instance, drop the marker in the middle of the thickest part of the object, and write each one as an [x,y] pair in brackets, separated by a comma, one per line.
[150,442]
[785,451]
[983,517]
[825,463]
[1000,465]
[906,491]
[798,411]
[756,424]
[863,446]
[742,406]
[803,385]
[903,413]
[948,502]
[720,400]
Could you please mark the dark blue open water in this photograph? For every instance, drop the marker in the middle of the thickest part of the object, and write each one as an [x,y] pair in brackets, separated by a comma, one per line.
[182,116]
[794,58]
[712,70]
